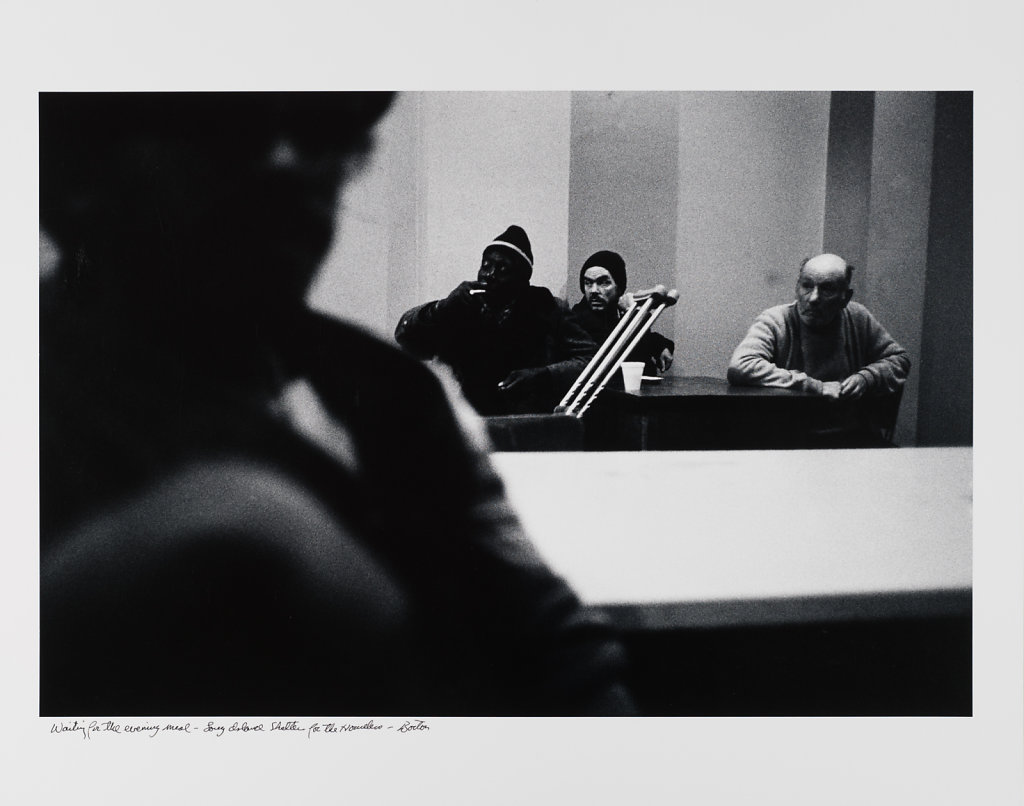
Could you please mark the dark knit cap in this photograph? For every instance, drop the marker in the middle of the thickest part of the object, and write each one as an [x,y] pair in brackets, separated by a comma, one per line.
[515,240]
[611,262]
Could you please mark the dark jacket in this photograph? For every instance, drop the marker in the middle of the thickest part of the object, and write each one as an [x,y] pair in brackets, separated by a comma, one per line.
[537,332]
[203,554]
[599,327]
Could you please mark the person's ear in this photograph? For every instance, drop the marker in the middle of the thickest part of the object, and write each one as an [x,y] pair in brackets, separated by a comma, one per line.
[847,296]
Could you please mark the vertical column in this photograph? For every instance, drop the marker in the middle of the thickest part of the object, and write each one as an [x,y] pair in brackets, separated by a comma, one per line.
[370,274]
[751,202]
[892,282]
[848,183]
[493,159]
[451,170]
[945,404]
[622,185]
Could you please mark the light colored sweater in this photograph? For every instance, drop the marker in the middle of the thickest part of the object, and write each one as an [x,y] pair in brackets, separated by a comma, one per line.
[779,350]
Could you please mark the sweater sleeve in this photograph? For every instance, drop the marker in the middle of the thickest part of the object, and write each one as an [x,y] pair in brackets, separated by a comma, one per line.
[888,363]
[753,361]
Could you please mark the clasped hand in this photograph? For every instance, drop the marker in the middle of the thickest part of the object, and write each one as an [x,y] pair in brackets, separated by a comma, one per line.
[851,388]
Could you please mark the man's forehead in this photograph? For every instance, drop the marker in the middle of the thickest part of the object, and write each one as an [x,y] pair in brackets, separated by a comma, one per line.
[497,254]
[596,273]
[825,267]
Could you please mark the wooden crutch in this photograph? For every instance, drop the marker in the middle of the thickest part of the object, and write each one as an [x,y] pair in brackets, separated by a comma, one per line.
[606,349]
[631,328]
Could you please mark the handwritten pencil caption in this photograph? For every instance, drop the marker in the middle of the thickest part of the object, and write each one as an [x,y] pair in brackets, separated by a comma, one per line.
[86,729]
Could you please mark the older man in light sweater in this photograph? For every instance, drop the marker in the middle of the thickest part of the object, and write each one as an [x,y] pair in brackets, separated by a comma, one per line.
[821,343]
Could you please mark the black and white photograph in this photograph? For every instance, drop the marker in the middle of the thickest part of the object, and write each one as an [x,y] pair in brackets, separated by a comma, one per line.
[270,511]
[388,428]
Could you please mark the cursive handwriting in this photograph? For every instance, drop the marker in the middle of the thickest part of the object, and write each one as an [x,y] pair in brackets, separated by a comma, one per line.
[74,727]
[87,729]
[245,727]
[334,727]
[218,728]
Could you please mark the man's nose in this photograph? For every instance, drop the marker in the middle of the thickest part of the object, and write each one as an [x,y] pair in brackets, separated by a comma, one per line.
[813,296]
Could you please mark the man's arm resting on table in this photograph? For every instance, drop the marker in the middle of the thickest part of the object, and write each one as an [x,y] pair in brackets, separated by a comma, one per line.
[890,363]
[753,364]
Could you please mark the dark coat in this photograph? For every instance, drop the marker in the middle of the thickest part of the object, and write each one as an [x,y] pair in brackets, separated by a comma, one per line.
[203,555]
[538,332]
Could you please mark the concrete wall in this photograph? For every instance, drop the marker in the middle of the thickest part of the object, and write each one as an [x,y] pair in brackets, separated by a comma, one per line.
[494,159]
[373,269]
[623,185]
[451,171]
[751,203]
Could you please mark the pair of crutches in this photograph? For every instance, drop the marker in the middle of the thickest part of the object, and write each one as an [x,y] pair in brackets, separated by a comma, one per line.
[631,328]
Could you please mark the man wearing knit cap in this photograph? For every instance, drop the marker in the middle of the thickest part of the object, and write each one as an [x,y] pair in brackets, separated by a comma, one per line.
[605,299]
[514,347]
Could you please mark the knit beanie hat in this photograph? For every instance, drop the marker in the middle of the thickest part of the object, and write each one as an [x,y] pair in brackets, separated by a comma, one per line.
[612,263]
[515,240]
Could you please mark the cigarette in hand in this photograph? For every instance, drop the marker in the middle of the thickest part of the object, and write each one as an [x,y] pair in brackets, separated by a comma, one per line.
[478,291]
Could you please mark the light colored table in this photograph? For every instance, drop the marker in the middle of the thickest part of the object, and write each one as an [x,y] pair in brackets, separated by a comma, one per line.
[670,539]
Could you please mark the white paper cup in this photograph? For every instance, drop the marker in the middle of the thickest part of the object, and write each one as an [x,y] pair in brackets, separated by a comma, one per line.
[632,372]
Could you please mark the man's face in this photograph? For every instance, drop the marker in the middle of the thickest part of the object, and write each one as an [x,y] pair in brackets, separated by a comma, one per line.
[504,275]
[599,289]
[822,291]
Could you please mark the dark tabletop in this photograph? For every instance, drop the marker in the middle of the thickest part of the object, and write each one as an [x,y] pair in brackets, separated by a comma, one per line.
[702,386]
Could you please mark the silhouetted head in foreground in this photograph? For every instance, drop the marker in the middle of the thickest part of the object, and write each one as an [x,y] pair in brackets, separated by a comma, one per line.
[213,204]
[189,226]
